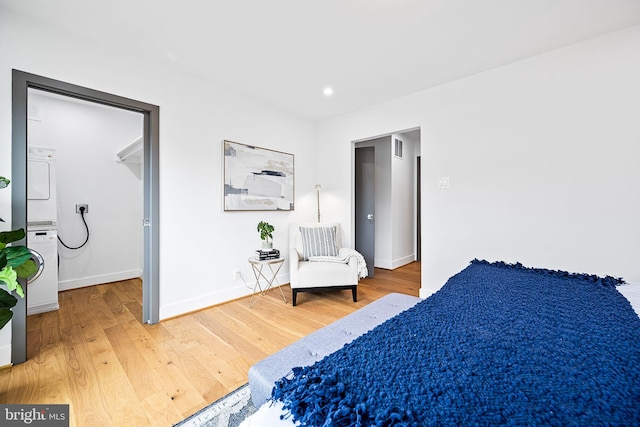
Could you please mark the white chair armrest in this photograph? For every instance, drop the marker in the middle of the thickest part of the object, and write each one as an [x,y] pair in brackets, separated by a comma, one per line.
[353,257]
[353,265]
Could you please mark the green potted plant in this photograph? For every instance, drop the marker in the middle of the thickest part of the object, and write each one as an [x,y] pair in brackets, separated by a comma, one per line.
[266,235]
[15,262]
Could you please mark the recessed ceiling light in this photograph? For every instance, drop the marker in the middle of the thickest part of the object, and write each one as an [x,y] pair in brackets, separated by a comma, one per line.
[328,91]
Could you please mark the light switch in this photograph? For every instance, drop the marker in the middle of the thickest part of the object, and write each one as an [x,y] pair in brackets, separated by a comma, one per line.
[443,182]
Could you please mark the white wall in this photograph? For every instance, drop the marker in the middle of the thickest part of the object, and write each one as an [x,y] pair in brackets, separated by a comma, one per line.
[200,245]
[402,204]
[86,137]
[383,213]
[383,238]
[542,157]
[413,138]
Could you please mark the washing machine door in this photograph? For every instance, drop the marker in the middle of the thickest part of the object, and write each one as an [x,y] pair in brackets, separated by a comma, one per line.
[37,258]
[42,289]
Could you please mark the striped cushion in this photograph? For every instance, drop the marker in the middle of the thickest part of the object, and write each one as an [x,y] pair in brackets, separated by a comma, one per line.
[318,241]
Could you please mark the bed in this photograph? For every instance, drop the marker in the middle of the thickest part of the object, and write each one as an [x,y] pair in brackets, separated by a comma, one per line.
[499,344]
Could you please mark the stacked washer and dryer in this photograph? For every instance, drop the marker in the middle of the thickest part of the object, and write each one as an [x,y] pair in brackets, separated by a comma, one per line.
[42,229]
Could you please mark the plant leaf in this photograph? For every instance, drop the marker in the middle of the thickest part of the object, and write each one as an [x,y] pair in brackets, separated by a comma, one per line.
[16,255]
[4,182]
[5,315]
[27,269]
[9,277]
[11,236]
[7,300]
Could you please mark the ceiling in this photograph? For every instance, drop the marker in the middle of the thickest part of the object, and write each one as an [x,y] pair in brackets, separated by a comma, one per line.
[285,52]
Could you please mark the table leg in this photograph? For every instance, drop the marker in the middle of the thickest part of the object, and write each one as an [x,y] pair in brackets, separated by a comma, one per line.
[258,274]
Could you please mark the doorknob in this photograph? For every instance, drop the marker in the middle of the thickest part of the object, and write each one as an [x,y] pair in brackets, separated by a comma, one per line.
[369,216]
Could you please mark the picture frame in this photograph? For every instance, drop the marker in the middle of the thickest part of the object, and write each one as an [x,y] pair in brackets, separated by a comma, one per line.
[257,179]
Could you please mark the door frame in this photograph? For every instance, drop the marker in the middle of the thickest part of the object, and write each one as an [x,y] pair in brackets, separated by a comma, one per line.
[21,82]
[354,146]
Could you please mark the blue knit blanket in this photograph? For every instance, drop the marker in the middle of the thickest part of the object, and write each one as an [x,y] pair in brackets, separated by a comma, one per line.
[499,344]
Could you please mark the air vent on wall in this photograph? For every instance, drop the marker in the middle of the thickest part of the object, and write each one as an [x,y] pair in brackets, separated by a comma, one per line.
[398,149]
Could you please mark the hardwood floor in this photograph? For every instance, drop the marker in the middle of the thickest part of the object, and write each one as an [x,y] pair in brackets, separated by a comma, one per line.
[95,354]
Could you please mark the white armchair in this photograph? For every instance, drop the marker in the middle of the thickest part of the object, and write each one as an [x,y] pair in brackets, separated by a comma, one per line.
[331,267]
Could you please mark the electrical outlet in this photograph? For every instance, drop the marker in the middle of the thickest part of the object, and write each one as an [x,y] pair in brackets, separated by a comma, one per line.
[85,206]
[236,274]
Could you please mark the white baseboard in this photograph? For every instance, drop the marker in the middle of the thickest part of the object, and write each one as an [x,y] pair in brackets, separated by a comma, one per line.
[382,263]
[403,261]
[239,289]
[65,285]
[426,293]
[389,264]
[43,308]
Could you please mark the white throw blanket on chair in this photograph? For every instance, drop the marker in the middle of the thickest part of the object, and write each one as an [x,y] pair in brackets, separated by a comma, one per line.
[344,255]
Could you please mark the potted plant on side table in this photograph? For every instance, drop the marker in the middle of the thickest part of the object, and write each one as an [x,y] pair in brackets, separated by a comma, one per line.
[266,235]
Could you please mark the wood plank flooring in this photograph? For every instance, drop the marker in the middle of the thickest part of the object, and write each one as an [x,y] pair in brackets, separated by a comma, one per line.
[95,354]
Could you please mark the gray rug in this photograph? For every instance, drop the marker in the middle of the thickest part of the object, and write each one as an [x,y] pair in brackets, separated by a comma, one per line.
[228,411]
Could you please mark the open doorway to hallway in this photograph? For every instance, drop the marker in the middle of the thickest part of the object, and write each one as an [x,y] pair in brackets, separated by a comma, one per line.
[386,198]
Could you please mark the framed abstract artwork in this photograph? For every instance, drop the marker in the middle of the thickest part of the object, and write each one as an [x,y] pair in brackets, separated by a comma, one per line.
[257,179]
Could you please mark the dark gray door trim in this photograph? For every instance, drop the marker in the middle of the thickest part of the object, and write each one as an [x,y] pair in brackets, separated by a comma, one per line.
[21,82]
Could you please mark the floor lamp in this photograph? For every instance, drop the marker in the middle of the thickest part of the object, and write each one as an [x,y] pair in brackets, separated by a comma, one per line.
[318,188]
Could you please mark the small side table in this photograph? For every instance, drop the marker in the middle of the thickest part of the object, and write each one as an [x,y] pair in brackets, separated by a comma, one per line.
[257,266]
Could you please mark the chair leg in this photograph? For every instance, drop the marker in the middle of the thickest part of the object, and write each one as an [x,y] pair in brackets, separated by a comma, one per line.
[294,295]
[354,292]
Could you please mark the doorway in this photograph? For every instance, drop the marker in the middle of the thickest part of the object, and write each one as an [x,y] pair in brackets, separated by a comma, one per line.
[393,231]
[21,83]
[82,142]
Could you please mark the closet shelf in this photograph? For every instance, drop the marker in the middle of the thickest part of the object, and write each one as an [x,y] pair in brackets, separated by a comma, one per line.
[132,153]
